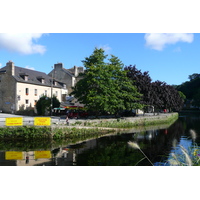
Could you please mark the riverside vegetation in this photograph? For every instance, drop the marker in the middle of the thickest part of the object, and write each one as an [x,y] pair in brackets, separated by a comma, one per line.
[35,137]
[28,138]
[128,122]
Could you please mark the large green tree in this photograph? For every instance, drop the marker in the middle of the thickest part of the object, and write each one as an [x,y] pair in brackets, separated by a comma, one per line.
[104,85]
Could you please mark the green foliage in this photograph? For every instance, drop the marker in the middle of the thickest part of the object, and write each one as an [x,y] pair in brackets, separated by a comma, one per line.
[191,89]
[44,104]
[105,86]
[25,132]
[182,95]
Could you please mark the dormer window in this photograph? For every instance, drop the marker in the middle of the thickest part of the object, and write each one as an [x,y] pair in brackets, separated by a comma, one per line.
[41,79]
[55,83]
[24,76]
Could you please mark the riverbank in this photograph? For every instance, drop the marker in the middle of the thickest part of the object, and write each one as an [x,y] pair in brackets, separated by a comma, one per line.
[60,134]
[84,128]
[121,123]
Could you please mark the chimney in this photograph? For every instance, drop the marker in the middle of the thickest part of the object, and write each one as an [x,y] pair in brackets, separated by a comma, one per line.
[58,66]
[10,68]
[75,71]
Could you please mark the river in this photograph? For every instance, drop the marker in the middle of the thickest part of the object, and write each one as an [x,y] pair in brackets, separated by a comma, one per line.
[156,142]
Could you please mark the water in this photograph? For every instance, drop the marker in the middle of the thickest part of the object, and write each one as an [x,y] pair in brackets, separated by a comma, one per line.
[113,150]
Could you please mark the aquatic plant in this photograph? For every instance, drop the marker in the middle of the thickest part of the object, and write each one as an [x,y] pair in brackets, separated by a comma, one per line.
[134,145]
[187,157]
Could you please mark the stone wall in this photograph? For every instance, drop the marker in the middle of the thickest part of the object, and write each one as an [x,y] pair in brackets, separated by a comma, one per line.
[8,89]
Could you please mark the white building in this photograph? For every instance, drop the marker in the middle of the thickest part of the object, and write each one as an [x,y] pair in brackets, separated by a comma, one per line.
[21,88]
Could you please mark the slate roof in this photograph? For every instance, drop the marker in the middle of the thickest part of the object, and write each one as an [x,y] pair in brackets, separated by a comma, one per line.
[34,77]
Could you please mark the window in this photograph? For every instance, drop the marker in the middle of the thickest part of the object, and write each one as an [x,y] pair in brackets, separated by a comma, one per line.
[35,92]
[24,76]
[45,92]
[27,91]
[35,102]
[26,101]
[41,79]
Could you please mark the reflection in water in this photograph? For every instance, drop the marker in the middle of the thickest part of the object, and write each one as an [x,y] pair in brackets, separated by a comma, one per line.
[112,150]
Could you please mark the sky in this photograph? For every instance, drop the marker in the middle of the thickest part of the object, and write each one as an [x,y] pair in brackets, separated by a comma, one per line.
[169,57]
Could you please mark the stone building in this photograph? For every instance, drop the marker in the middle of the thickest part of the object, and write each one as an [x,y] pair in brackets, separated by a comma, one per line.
[67,76]
[21,88]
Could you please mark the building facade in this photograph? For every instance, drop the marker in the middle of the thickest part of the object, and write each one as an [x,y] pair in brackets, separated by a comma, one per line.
[21,88]
[67,76]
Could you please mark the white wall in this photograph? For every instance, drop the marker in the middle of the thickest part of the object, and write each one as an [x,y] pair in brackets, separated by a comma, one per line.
[31,97]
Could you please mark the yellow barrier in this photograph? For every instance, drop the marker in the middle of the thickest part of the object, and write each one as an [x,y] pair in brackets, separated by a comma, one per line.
[42,154]
[14,121]
[42,121]
[18,121]
[14,155]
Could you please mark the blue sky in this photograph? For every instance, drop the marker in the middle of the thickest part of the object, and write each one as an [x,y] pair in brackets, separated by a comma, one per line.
[168,57]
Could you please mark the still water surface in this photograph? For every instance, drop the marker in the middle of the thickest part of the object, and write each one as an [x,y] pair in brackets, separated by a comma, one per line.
[112,150]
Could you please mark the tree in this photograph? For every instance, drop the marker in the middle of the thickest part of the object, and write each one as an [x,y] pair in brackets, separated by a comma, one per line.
[44,104]
[157,94]
[166,96]
[194,76]
[142,81]
[104,85]
[191,89]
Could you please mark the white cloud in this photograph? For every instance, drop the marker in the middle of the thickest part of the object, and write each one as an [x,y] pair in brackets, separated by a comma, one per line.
[28,67]
[158,41]
[21,42]
[105,47]
[0,64]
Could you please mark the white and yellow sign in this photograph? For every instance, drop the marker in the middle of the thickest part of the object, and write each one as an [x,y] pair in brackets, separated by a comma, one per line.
[14,121]
[42,121]
[14,155]
[42,154]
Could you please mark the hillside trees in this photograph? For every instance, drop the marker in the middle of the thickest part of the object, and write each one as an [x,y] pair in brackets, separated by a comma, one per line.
[191,89]
[105,86]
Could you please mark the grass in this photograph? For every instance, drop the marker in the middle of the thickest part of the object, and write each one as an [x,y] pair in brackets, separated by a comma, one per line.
[30,137]
[134,145]
[123,123]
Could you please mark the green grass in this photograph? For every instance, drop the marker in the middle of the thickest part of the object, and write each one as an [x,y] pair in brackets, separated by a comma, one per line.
[123,123]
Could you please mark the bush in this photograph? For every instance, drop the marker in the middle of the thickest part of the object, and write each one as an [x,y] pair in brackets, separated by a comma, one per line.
[43,105]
